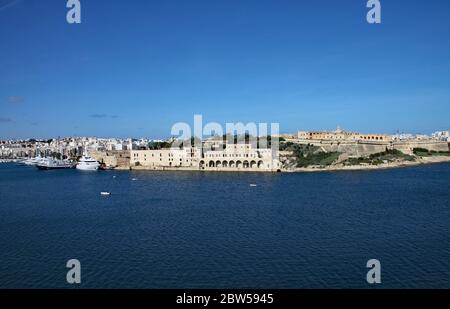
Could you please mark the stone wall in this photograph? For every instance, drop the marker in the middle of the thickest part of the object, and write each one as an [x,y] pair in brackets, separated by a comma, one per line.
[350,148]
[114,158]
[365,148]
[408,146]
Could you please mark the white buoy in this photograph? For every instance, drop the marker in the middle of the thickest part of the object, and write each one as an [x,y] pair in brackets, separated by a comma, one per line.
[133,179]
[114,176]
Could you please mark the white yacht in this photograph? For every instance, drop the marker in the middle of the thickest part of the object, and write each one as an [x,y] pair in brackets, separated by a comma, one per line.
[88,163]
[53,164]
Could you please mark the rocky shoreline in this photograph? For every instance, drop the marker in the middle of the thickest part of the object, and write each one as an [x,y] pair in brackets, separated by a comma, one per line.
[391,165]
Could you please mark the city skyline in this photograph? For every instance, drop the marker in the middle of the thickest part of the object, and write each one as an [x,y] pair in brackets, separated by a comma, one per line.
[135,71]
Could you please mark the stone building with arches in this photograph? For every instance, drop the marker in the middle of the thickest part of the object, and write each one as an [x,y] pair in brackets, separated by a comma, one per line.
[239,157]
[224,157]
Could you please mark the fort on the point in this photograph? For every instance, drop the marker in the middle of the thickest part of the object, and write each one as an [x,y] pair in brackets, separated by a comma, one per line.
[355,144]
[341,135]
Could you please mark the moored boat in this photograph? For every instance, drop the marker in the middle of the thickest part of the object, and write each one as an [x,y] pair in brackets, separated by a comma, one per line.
[104,167]
[88,163]
[34,161]
[53,164]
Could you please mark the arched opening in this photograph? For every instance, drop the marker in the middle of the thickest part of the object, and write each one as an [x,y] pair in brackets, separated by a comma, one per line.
[238,164]
[231,164]
[225,164]
[260,164]
[246,165]
[253,164]
[211,163]
[202,164]
[218,164]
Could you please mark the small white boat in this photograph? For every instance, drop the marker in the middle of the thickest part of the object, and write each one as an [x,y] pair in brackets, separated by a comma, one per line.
[133,179]
[105,193]
[253,185]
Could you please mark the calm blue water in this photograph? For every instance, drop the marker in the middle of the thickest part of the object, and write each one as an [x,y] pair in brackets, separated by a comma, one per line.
[212,230]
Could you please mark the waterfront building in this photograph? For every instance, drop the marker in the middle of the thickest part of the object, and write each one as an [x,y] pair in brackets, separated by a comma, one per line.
[162,158]
[242,157]
[232,157]
[113,158]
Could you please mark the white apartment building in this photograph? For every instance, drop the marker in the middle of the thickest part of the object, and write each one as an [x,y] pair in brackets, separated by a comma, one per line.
[442,135]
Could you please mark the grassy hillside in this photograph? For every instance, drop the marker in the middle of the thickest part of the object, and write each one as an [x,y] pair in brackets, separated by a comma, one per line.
[309,155]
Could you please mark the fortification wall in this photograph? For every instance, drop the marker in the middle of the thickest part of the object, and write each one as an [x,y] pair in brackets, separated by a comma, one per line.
[365,148]
[350,148]
[356,149]
[112,158]
[408,146]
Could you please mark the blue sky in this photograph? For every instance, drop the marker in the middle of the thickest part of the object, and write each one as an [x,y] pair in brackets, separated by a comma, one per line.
[135,67]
